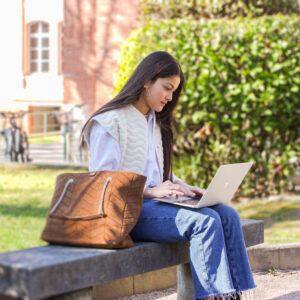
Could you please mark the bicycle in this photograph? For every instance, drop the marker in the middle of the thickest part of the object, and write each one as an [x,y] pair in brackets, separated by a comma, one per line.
[16,139]
[71,121]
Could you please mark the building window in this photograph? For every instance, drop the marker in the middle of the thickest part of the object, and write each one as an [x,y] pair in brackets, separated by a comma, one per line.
[39,47]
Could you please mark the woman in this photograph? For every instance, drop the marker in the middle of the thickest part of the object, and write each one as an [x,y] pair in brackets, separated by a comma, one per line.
[134,132]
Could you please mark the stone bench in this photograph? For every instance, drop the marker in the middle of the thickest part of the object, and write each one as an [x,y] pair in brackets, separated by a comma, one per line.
[75,272]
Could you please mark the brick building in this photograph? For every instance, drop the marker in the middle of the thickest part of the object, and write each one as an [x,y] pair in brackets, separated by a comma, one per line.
[56,52]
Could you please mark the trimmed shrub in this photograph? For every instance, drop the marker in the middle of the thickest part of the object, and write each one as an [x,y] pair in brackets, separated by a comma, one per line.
[196,9]
[241,99]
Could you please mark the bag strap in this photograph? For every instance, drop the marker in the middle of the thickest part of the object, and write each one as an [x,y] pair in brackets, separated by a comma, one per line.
[100,214]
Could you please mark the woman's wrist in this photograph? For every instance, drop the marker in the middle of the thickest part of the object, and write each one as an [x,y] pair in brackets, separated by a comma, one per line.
[148,193]
[178,181]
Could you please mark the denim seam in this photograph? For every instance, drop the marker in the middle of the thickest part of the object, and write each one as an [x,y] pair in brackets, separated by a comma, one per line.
[231,258]
[205,261]
[203,254]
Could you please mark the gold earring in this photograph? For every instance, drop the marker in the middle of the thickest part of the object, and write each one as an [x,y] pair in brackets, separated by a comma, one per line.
[145,86]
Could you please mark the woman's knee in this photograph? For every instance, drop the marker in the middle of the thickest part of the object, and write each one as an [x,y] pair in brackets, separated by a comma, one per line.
[227,213]
[199,221]
[210,220]
[205,214]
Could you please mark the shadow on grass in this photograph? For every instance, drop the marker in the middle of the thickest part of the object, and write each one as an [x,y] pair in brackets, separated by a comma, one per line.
[276,212]
[23,211]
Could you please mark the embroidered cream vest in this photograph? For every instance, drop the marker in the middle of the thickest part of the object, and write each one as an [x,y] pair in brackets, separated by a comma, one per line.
[130,128]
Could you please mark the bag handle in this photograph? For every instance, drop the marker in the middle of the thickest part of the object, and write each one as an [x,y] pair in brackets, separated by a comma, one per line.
[108,180]
[61,196]
[88,217]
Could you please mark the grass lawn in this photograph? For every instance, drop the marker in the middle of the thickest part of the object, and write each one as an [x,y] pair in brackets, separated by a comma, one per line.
[282,219]
[25,195]
[47,139]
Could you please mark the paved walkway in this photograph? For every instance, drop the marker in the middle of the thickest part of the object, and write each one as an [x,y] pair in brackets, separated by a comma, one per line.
[283,285]
[48,154]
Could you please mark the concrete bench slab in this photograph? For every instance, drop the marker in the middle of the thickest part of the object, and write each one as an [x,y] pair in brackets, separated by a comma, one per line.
[41,272]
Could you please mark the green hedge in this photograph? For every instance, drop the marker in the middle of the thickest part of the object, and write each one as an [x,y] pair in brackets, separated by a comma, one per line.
[196,9]
[241,100]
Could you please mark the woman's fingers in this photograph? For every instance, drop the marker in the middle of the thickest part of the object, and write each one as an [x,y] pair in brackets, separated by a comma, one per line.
[197,190]
[177,187]
[188,191]
[180,189]
[175,190]
[191,194]
[185,189]
[176,193]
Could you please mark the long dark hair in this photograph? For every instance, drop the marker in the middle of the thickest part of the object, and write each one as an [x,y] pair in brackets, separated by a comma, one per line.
[158,64]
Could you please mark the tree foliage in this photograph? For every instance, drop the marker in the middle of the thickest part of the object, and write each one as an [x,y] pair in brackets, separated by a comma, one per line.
[197,9]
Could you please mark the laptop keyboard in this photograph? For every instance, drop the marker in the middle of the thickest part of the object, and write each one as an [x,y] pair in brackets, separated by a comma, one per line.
[190,201]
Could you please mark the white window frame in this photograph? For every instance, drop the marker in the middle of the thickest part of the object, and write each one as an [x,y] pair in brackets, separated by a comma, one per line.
[39,35]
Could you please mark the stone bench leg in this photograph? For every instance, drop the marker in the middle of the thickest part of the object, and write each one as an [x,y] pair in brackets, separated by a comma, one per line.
[185,285]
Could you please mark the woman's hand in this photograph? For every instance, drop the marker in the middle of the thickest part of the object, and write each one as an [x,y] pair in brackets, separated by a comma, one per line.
[189,190]
[196,190]
[166,188]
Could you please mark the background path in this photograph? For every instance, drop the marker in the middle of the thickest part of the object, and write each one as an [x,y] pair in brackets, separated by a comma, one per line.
[52,154]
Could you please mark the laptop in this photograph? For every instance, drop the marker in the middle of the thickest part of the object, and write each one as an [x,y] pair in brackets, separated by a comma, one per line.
[220,190]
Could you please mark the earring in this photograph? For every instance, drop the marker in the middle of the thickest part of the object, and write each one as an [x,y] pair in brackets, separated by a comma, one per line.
[145,86]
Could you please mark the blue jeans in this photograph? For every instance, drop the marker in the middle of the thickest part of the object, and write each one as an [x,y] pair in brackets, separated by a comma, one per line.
[218,254]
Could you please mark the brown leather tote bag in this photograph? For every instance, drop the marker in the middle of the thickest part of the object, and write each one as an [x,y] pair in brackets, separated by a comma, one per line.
[96,209]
